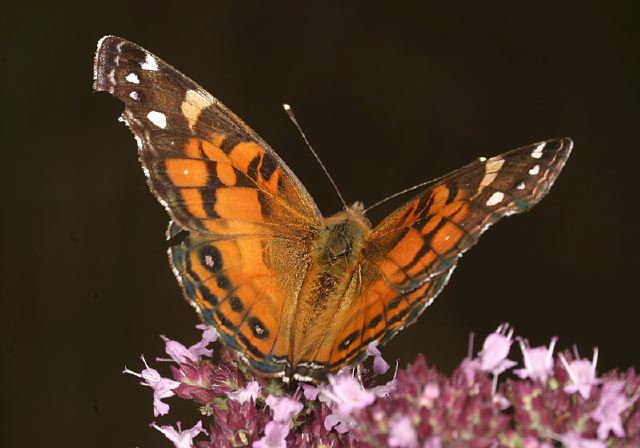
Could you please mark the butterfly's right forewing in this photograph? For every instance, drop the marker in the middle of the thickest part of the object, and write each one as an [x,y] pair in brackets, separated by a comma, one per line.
[408,258]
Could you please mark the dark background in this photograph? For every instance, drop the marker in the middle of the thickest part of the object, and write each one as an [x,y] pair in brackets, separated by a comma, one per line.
[390,96]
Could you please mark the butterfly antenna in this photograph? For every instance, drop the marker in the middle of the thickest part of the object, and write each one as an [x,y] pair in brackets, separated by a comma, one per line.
[415,187]
[292,117]
[399,193]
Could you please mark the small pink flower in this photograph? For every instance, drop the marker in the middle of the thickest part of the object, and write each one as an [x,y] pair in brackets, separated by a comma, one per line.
[573,440]
[613,402]
[582,374]
[347,393]
[340,422]
[469,368]
[429,394]
[380,366]
[176,351]
[209,333]
[275,434]
[538,361]
[385,389]
[250,392]
[181,354]
[493,357]
[283,408]
[162,387]
[181,439]
[402,433]
[310,392]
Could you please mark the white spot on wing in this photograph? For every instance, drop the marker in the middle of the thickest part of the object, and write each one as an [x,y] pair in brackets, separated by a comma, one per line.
[157,118]
[496,198]
[149,63]
[491,169]
[112,79]
[520,186]
[193,105]
[537,153]
[116,60]
[132,78]
[135,95]
[535,170]
[482,159]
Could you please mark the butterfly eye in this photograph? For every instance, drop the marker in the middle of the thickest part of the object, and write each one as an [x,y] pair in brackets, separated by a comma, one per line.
[341,248]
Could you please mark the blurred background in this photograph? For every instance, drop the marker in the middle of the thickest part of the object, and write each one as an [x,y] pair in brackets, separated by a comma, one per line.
[389,96]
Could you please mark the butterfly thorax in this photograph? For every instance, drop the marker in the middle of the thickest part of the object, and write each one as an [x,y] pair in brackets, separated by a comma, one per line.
[328,287]
[340,240]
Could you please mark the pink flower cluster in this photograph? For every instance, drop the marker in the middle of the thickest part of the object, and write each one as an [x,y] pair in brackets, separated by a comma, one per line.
[485,402]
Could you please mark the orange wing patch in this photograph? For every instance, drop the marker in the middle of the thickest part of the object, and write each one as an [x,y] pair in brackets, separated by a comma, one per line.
[239,203]
[407,248]
[187,172]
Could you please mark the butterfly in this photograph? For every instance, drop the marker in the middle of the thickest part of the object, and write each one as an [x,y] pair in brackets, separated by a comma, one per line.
[295,294]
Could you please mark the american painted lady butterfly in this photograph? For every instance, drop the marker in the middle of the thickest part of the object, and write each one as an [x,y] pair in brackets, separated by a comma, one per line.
[296,294]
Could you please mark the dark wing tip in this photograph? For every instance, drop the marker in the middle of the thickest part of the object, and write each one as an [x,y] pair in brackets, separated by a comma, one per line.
[562,144]
[554,154]
[103,63]
[106,61]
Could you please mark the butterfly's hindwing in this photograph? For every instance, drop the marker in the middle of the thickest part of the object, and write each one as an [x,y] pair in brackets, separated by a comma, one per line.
[236,286]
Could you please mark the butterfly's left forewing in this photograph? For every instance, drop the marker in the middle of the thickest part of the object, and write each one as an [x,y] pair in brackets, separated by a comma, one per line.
[202,162]
[408,258]
[242,222]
